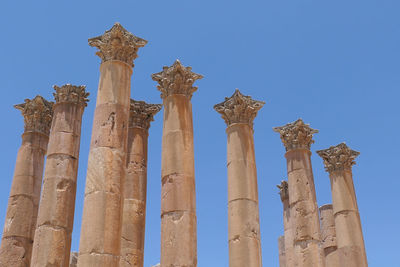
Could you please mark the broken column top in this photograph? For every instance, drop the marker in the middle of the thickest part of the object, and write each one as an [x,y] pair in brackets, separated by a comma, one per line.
[296,135]
[338,158]
[141,114]
[117,44]
[71,94]
[239,108]
[38,113]
[176,79]
[283,190]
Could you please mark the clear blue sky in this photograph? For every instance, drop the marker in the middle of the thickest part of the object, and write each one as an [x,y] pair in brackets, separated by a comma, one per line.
[336,64]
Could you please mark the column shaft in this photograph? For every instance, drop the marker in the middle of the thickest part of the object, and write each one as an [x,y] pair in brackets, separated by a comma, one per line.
[287,225]
[282,254]
[101,220]
[350,239]
[328,236]
[178,196]
[57,204]
[243,211]
[303,208]
[134,209]
[23,204]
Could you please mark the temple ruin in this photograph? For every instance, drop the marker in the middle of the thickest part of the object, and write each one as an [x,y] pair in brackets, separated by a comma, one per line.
[40,213]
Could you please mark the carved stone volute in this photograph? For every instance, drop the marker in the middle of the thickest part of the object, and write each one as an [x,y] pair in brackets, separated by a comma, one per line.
[71,94]
[338,158]
[176,79]
[296,135]
[141,114]
[117,44]
[239,109]
[38,113]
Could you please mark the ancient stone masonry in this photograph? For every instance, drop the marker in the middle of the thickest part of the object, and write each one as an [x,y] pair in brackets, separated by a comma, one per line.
[239,111]
[297,139]
[52,242]
[21,217]
[102,213]
[338,161]
[281,249]
[134,208]
[178,200]
[287,224]
[328,236]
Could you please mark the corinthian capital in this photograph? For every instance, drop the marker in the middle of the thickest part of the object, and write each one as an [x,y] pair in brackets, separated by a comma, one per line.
[239,109]
[176,79]
[37,113]
[71,94]
[117,44]
[141,114]
[296,135]
[283,190]
[338,158]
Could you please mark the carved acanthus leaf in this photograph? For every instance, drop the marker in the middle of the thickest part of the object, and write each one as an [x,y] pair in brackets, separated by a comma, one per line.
[71,94]
[117,44]
[338,158]
[141,113]
[176,79]
[296,135]
[283,190]
[239,109]
[38,114]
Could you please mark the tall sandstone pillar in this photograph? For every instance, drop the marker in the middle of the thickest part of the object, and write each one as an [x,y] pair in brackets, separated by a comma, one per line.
[102,211]
[281,249]
[21,217]
[178,199]
[328,236]
[297,139]
[135,185]
[287,224]
[55,221]
[338,161]
[238,112]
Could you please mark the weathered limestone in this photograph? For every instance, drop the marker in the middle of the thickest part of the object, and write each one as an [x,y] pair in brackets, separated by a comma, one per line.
[178,199]
[282,254]
[21,217]
[134,208]
[297,139]
[238,112]
[328,236]
[73,262]
[102,211]
[287,224]
[350,241]
[52,242]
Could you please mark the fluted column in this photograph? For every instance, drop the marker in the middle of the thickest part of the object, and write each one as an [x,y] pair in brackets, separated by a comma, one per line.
[338,161]
[238,112]
[297,139]
[23,203]
[178,199]
[282,253]
[328,236]
[287,224]
[52,242]
[135,185]
[102,211]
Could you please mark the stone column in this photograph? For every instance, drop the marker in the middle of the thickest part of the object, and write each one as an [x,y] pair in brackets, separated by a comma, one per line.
[297,139]
[282,254]
[178,199]
[52,242]
[328,236]
[350,241]
[287,223]
[238,112]
[102,210]
[134,208]
[23,203]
